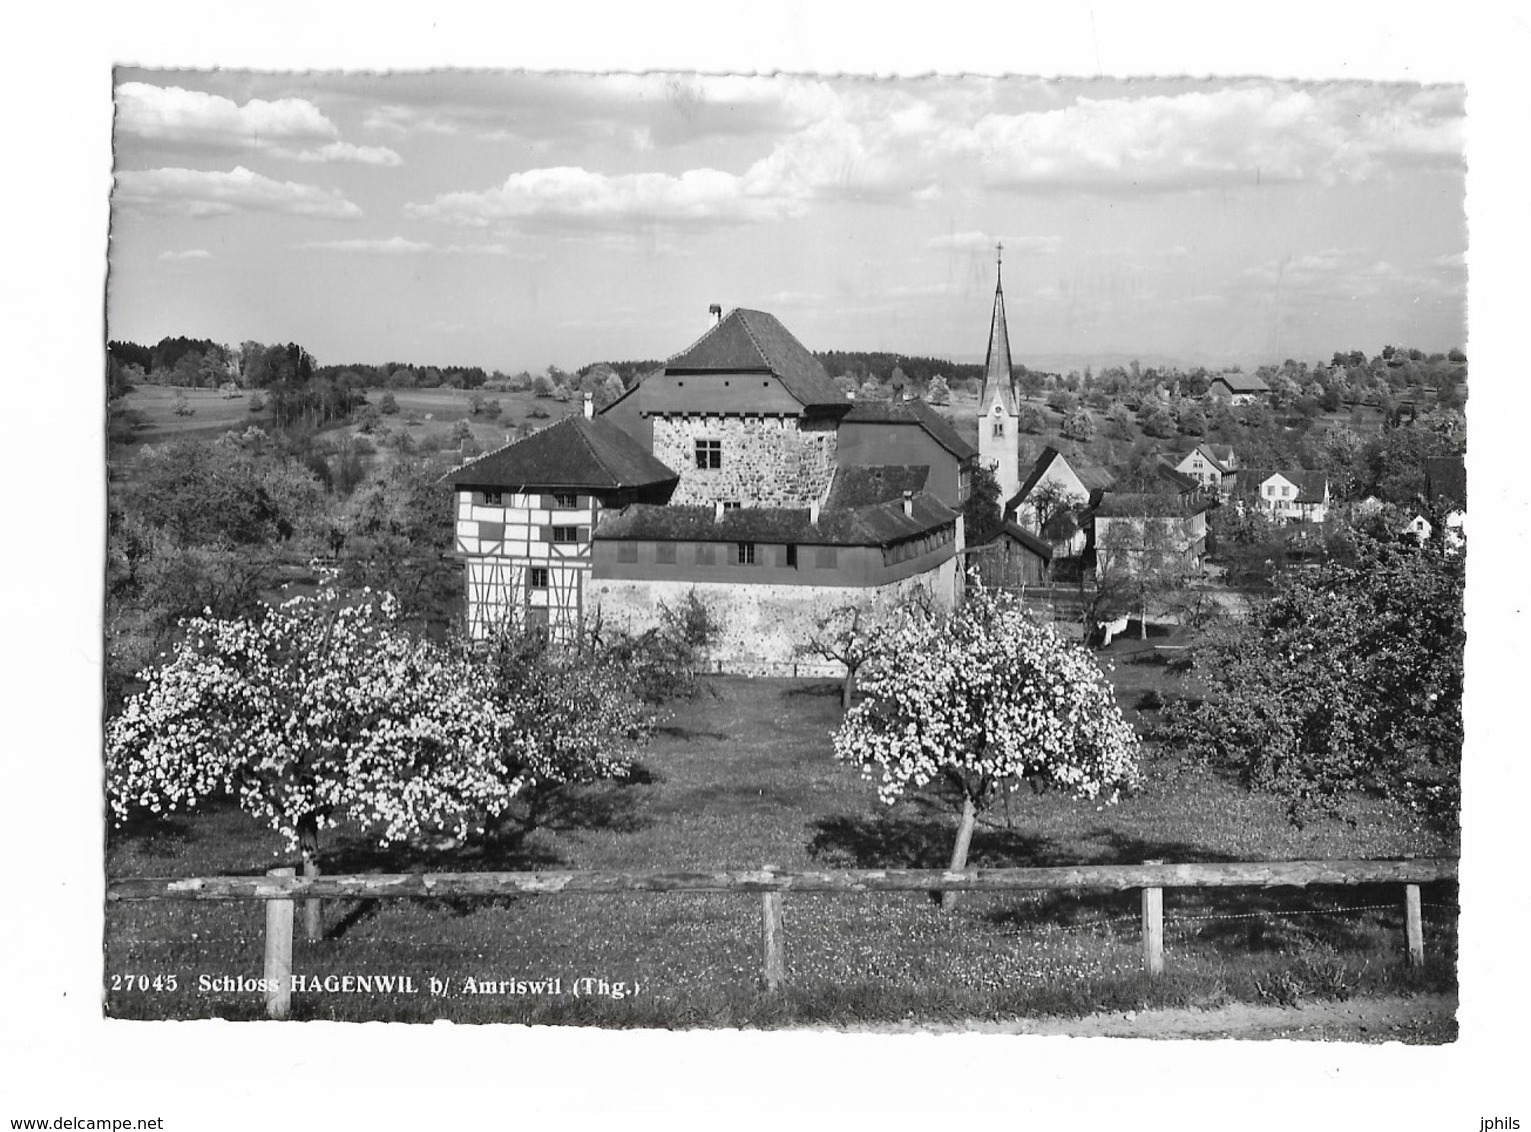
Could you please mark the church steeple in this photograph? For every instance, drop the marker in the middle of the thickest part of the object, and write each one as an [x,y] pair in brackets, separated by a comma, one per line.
[997,382]
[998,426]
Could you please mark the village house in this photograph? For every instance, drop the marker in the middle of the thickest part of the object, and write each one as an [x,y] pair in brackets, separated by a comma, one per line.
[1214,466]
[1238,388]
[1054,484]
[737,473]
[1291,495]
[1149,531]
[1013,558]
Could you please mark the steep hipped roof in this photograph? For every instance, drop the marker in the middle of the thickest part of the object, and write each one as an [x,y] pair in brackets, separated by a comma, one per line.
[576,452]
[997,384]
[941,430]
[881,525]
[865,485]
[747,341]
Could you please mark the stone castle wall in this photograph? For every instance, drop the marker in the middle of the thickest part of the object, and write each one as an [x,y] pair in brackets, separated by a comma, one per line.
[761,625]
[766,461]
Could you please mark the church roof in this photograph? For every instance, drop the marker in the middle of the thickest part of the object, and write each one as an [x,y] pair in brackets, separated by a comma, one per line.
[997,381]
[748,341]
[577,452]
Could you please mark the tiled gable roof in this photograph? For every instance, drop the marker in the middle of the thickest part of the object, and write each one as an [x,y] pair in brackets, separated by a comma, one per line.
[575,453]
[751,341]
[1243,382]
[880,525]
[864,485]
[941,430]
[1020,534]
[1135,505]
[1094,480]
[1310,486]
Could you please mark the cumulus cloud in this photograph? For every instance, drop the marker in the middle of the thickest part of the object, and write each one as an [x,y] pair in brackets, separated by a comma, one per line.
[581,198]
[189,253]
[915,142]
[342,151]
[289,128]
[202,193]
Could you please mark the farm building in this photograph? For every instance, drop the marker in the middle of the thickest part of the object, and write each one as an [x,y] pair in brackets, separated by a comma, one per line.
[737,472]
[1014,557]
[1238,388]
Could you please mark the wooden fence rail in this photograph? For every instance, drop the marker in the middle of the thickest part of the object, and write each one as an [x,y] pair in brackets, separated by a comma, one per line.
[281,888]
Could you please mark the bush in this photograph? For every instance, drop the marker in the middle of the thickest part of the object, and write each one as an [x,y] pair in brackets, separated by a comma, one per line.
[386,404]
[537,412]
[257,403]
[462,430]
[1079,425]
[492,409]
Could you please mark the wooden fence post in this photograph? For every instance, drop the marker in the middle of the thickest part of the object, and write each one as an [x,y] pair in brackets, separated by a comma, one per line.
[278,972]
[1414,926]
[313,915]
[1153,928]
[773,963]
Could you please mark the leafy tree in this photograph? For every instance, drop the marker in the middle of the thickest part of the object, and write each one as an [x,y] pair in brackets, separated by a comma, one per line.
[847,635]
[322,711]
[981,518]
[1029,418]
[388,405]
[1348,679]
[1192,421]
[609,391]
[975,703]
[939,393]
[1119,417]
[1159,424]
[1079,425]
[395,531]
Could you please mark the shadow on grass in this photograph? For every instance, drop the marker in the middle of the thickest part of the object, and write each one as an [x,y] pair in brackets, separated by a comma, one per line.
[832,689]
[686,734]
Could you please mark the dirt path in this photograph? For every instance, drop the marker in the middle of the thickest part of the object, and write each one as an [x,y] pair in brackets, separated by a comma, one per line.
[1419,1020]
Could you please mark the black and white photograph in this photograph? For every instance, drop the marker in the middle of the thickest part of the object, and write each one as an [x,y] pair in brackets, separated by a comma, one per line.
[690,554]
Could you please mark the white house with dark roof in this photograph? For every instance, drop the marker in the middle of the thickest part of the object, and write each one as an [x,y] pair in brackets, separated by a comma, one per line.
[1293,495]
[1052,474]
[1214,466]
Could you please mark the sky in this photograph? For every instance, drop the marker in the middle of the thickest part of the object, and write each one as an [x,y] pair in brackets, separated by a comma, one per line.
[513,219]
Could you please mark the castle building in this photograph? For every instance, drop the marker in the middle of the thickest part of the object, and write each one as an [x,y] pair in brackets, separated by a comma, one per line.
[999,434]
[737,473]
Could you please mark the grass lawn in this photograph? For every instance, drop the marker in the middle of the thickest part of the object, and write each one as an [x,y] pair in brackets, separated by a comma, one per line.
[744,778]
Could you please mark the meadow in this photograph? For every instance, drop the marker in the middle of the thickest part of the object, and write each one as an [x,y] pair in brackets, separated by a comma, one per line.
[743,777]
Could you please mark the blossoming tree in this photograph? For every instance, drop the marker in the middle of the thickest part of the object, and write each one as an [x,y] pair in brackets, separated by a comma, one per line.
[319,711]
[981,701]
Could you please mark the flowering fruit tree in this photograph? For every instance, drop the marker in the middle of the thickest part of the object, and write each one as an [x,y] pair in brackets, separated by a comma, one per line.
[981,701]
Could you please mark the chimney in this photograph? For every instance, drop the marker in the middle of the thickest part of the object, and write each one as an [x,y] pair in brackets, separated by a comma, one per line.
[717,511]
[908,504]
[589,406]
[714,315]
[813,512]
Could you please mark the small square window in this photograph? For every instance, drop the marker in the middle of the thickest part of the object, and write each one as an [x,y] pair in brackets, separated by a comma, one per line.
[709,453]
[731,505]
[537,578]
[744,554]
[999,428]
[494,498]
[665,552]
[565,499]
[627,552]
[704,555]
[565,534]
